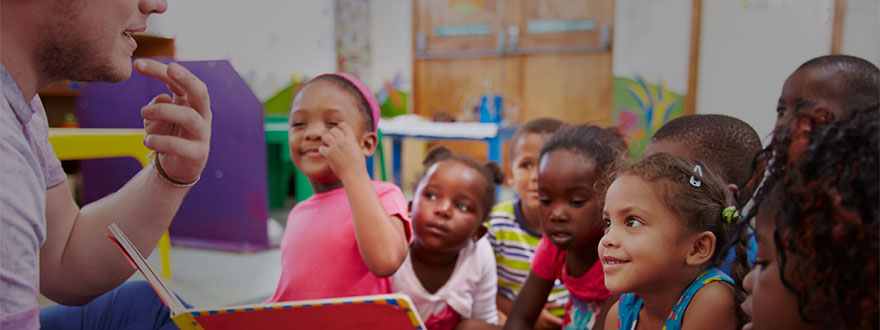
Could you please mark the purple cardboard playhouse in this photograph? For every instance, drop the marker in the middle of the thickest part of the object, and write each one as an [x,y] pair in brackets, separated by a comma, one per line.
[228,208]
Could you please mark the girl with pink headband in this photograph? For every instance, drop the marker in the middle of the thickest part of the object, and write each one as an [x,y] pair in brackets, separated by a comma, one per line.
[353,233]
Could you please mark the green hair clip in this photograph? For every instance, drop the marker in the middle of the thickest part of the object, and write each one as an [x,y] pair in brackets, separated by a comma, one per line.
[730,213]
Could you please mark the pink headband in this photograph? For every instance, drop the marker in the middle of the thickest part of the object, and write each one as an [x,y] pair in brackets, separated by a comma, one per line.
[365,92]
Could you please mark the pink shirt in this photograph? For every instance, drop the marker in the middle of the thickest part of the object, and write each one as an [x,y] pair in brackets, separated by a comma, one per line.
[319,253]
[549,264]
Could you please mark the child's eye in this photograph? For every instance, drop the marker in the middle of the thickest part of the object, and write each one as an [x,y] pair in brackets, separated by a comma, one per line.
[633,222]
[544,201]
[780,112]
[526,165]
[296,124]
[430,195]
[463,206]
[332,123]
[607,223]
[577,202]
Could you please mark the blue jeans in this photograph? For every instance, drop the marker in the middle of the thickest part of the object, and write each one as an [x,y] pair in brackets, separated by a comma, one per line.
[132,306]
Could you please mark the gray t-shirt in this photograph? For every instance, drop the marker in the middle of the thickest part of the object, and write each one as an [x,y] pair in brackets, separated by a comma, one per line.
[28,167]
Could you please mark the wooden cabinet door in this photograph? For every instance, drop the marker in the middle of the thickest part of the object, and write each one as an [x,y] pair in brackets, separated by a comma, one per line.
[547,58]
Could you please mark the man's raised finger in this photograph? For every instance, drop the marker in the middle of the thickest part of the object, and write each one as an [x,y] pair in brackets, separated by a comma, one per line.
[158,70]
[195,90]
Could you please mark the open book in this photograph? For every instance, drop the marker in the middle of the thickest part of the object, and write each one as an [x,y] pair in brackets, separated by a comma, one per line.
[394,311]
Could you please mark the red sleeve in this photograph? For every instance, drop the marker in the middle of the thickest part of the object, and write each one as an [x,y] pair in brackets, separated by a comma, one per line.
[548,261]
[395,204]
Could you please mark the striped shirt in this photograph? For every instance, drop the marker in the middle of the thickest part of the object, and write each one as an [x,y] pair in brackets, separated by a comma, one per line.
[514,244]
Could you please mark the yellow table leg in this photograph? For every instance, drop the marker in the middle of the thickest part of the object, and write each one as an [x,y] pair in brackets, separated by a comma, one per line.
[164,253]
[92,143]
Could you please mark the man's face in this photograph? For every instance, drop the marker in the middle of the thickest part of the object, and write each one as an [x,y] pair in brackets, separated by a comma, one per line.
[89,40]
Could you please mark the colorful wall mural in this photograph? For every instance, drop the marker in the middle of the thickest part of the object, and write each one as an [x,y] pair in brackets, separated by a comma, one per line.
[640,108]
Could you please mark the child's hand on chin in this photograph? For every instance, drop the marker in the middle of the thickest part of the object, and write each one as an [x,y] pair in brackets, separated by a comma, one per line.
[342,151]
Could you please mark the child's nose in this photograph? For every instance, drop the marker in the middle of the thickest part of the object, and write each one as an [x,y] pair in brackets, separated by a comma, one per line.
[314,132]
[558,215]
[442,208]
[609,239]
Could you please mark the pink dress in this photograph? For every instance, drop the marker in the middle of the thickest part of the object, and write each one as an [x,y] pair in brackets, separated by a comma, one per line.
[588,292]
[319,253]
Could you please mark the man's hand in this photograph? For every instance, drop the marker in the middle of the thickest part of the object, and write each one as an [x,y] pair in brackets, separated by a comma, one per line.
[179,127]
[342,151]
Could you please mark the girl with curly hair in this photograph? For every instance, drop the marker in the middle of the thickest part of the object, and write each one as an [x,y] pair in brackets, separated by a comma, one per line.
[669,222]
[817,231]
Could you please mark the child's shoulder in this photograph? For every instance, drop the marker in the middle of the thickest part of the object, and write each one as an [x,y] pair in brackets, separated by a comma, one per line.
[713,306]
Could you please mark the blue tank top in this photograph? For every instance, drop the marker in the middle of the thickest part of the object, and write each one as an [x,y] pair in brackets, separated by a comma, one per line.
[630,303]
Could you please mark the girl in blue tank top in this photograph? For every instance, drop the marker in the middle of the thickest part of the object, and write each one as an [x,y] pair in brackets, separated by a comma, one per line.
[668,221]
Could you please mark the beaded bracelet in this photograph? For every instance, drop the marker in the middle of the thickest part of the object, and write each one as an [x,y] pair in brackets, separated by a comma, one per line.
[154,159]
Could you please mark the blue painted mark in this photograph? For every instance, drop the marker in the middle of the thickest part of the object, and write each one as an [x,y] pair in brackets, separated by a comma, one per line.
[392,302]
[196,314]
[249,309]
[212,312]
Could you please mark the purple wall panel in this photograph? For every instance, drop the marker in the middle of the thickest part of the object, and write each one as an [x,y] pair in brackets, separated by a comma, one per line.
[228,208]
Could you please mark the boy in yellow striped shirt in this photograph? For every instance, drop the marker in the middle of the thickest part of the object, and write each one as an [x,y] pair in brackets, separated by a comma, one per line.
[514,226]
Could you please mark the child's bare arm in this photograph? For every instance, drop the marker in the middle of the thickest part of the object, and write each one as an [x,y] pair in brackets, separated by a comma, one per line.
[713,307]
[529,303]
[503,303]
[610,318]
[603,312]
[380,238]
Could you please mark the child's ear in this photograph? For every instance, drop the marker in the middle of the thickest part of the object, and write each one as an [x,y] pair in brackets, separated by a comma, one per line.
[508,178]
[701,249]
[481,231]
[734,190]
[369,142]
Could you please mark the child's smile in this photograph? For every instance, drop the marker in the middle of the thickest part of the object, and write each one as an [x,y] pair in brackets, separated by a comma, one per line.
[642,238]
[317,108]
[569,204]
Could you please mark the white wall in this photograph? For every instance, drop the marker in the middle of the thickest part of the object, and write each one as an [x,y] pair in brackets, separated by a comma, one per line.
[391,37]
[861,30]
[748,52]
[266,41]
[652,41]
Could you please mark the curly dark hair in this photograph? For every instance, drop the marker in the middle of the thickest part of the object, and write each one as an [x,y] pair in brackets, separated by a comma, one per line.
[861,81]
[700,205]
[489,170]
[828,224]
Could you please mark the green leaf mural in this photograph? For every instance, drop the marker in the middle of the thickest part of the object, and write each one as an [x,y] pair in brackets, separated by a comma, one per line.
[641,108]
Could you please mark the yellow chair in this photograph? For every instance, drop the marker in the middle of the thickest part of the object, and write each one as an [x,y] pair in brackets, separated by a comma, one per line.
[91,143]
